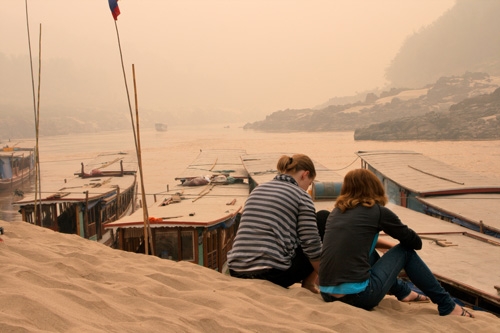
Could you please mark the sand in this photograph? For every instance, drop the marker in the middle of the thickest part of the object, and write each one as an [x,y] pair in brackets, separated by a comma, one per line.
[52,282]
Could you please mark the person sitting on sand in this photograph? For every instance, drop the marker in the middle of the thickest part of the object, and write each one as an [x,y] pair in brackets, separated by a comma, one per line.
[277,239]
[352,272]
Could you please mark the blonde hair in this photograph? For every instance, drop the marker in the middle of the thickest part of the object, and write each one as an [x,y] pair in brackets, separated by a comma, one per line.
[360,187]
[297,162]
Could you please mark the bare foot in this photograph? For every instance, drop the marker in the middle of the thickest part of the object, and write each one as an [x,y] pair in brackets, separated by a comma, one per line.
[311,287]
[460,311]
[310,283]
[416,297]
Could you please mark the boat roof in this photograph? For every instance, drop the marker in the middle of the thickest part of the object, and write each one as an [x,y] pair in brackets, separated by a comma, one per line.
[426,176]
[474,208]
[74,188]
[15,151]
[193,206]
[212,162]
[262,168]
[465,261]
[195,209]
[110,161]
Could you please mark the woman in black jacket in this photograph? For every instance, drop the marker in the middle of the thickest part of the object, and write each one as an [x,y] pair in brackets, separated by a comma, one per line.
[351,271]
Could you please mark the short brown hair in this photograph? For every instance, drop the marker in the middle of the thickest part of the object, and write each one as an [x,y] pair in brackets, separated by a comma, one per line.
[360,187]
[297,162]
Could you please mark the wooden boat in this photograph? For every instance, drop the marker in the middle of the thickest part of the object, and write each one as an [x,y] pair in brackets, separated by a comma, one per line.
[462,260]
[194,223]
[17,167]
[104,190]
[326,187]
[432,187]
[161,127]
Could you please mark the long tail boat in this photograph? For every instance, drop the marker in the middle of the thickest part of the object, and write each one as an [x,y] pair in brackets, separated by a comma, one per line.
[195,220]
[102,191]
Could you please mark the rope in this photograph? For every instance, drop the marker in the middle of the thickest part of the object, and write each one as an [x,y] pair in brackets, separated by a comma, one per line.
[347,165]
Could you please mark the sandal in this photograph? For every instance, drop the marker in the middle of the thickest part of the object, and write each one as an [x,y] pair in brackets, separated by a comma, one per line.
[419,299]
[466,313]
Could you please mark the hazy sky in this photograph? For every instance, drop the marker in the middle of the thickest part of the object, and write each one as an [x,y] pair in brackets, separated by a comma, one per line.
[253,56]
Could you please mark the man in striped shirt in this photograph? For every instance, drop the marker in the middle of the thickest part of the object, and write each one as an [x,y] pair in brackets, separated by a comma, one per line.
[278,238]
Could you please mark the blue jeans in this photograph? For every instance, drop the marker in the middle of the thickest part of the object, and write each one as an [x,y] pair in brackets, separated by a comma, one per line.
[384,278]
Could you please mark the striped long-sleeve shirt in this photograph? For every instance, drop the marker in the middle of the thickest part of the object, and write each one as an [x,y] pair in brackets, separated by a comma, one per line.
[277,218]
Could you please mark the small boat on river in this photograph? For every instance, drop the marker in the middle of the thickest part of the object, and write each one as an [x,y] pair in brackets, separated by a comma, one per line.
[161,127]
[102,191]
[195,220]
[17,167]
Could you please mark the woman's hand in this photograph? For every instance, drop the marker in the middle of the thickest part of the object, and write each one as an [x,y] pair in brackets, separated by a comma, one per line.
[385,243]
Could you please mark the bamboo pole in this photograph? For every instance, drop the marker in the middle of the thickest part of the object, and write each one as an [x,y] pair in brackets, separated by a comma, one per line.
[38,181]
[148,237]
[35,113]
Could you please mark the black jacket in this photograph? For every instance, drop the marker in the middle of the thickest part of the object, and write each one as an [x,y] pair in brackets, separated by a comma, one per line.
[348,240]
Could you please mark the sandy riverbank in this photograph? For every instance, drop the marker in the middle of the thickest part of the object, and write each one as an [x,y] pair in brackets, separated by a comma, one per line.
[53,282]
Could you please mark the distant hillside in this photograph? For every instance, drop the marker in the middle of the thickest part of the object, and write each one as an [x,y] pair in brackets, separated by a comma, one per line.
[476,118]
[390,105]
[18,121]
[463,39]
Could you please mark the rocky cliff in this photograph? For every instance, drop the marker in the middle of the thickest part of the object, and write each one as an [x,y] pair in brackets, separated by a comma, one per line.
[379,114]
[476,118]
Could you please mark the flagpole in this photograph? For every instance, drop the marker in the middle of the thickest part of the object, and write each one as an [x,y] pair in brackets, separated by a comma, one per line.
[147,228]
[126,85]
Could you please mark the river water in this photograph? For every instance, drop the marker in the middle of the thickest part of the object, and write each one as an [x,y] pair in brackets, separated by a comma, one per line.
[166,154]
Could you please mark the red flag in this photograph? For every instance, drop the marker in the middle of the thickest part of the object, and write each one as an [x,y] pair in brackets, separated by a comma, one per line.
[115,10]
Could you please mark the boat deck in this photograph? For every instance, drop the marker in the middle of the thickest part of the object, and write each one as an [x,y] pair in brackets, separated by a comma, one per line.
[465,260]
[426,176]
[478,209]
[215,162]
[102,181]
[438,189]
[203,205]
[262,168]
[198,206]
